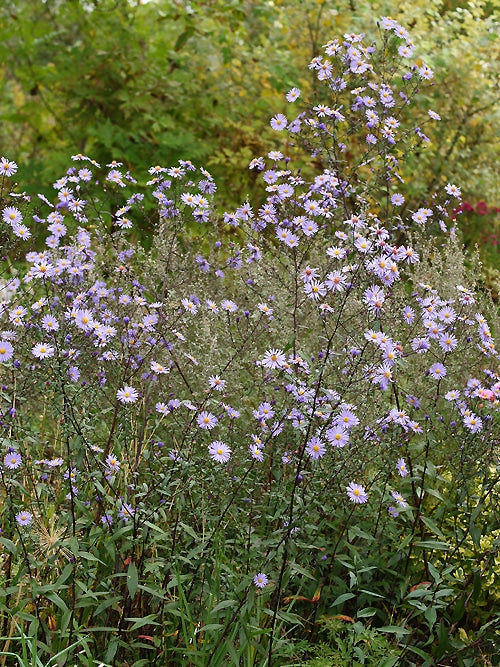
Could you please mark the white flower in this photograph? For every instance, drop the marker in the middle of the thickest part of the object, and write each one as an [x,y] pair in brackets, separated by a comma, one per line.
[274,359]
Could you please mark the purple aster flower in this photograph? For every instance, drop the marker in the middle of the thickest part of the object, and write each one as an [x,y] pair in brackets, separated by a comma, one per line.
[229,306]
[437,371]
[337,436]
[274,359]
[347,418]
[206,420]
[315,448]
[356,493]
[13,460]
[374,297]
[279,122]
[127,394]
[402,469]
[43,351]
[216,382]
[399,499]
[6,350]
[264,411]
[7,168]
[112,463]
[293,94]
[24,518]
[260,580]
[219,451]
[413,401]
[126,512]
[420,345]
[426,72]
[256,453]
[473,423]
[448,342]
[408,315]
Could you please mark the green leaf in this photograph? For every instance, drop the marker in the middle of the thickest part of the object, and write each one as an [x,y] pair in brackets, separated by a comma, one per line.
[475,533]
[211,626]
[375,595]
[459,611]
[342,598]
[432,527]
[390,662]
[223,605]
[140,622]
[132,579]
[8,544]
[420,653]
[394,629]
[88,556]
[436,575]
[54,597]
[366,612]
[289,344]
[300,570]
[429,544]
[356,531]
[430,615]
[183,38]
[188,530]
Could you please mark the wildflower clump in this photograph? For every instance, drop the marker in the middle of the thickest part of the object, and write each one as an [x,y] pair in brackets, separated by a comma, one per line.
[252,392]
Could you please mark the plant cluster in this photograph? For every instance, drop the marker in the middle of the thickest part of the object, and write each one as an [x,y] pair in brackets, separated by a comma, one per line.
[272,416]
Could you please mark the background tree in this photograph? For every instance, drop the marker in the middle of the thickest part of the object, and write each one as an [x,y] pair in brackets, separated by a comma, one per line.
[152,83]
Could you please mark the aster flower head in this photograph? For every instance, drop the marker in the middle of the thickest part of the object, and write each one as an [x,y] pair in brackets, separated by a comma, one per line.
[49,323]
[437,371]
[293,94]
[24,518]
[127,394]
[112,463]
[13,460]
[399,499]
[158,368]
[219,451]
[7,167]
[229,306]
[356,493]
[107,519]
[12,215]
[216,382]
[315,448]
[273,359]
[260,580]
[453,190]
[126,512]
[6,350]
[279,122]
[402,469]
[207,421]
[43,351]
[264,411]
[473,423]
[337,436]
[426,72]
